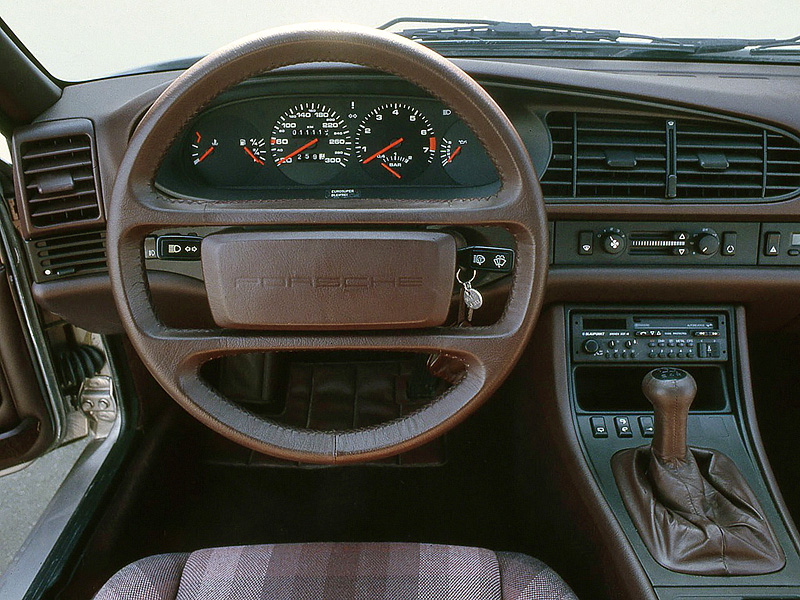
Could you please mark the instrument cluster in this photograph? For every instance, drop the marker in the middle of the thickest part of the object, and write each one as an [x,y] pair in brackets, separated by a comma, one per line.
[329,146]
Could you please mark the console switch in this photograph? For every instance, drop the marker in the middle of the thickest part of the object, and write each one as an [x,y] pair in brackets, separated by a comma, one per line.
[772,246]
[599,429]
[586,243]
[646,426]
[729,243]
[623,426]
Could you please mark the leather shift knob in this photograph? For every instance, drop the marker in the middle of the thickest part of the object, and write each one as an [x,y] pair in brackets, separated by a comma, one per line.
[671,391]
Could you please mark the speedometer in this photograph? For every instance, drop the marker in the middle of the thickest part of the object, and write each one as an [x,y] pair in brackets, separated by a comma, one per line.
[310,143]
[395,142]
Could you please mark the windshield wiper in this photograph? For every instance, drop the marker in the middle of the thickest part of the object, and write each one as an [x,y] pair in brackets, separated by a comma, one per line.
[484,30]
[464,32]
[778,46]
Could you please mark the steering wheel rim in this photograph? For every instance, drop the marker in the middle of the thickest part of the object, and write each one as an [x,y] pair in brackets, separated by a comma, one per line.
[174,356]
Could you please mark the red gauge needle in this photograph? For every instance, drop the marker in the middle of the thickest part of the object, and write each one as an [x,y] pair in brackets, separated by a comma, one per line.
[379,152]
[253,156]
[298,151]
[391,170]
[202,158]
[453,155]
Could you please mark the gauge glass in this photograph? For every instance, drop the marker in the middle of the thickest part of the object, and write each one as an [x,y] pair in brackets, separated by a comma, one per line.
[310,143]
[225,150]
[395,143]
[464,158]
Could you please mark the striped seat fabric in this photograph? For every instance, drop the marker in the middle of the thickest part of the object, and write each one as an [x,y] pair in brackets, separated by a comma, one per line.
[337,572]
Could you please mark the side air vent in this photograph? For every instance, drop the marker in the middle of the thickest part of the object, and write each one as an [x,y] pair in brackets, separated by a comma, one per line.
[629,157]
[69,255]
[56,176]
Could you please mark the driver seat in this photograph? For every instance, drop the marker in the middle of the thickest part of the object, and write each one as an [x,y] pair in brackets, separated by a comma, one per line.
[346,571]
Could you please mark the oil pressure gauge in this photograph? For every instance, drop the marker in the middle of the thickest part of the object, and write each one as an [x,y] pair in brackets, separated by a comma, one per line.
[463,157]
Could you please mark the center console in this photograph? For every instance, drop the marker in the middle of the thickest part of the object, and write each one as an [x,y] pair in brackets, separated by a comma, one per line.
[610,351]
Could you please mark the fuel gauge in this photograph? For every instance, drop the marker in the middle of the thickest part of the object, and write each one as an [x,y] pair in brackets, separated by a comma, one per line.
[255,148]
[225,150]
[463,157]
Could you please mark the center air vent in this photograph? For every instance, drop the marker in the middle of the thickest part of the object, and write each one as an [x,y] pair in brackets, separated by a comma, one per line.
[620,156]
[719,160]
[630,157]
[56,177]
[65,256]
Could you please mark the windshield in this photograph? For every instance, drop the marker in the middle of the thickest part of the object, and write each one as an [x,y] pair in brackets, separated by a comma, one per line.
[86,39]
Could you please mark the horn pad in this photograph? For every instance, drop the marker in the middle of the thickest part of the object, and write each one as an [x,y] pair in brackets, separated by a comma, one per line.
[329,280]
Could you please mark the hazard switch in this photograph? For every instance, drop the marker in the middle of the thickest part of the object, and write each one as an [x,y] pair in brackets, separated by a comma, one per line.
[772,247]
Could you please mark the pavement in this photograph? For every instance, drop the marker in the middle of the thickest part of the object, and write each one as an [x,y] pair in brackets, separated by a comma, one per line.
[25,494]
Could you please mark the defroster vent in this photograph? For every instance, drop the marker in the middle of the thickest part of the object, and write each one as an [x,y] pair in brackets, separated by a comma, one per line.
[56,257]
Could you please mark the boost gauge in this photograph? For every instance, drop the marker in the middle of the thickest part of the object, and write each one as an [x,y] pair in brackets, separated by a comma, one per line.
[310,143]
[395,142]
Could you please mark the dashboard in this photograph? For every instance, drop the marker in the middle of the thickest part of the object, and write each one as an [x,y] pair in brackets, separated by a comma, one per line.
[293,141]
[638,210]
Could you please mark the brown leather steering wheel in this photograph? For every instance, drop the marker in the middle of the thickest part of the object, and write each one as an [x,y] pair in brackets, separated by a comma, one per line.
[174,356]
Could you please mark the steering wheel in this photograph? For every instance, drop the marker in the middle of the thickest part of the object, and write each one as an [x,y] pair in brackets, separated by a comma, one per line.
[174,356]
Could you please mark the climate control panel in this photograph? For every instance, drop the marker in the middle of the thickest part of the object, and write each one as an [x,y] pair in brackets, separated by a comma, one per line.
[632,243]
[642,337]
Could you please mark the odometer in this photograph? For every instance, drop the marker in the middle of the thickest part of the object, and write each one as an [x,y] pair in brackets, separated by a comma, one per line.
[310,143]
[395,142]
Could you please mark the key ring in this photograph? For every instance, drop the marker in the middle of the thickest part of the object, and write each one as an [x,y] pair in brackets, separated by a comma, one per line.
[470,280]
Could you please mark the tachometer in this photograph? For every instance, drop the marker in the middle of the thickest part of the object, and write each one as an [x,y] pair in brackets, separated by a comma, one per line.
[310,143]
[395,142]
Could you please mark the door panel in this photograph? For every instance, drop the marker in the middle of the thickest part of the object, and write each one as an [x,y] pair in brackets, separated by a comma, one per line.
[26,427]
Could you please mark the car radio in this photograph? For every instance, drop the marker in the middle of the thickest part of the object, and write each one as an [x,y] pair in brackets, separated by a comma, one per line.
[645,337]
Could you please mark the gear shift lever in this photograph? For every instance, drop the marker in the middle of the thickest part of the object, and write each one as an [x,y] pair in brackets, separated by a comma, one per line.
[692,507]
[671,392]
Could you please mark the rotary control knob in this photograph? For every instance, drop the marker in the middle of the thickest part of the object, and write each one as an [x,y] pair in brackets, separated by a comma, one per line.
[708,242]
[590,346]
[613,241]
